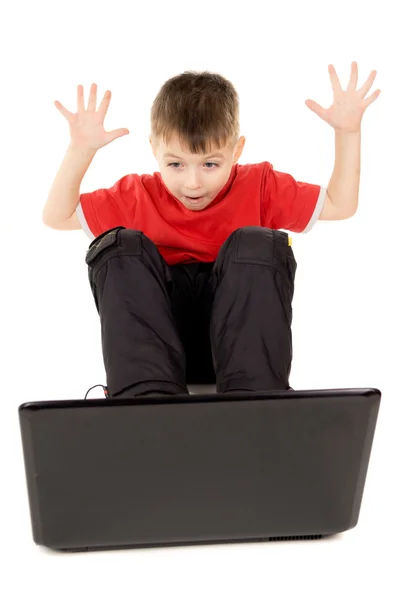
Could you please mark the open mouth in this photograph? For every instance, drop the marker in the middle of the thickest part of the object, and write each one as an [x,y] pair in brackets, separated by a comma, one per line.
[194,199]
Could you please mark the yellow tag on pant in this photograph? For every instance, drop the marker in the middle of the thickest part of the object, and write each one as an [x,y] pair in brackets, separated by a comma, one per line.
[289,241]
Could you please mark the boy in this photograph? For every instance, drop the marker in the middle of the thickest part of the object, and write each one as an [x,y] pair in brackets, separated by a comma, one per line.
[191,277]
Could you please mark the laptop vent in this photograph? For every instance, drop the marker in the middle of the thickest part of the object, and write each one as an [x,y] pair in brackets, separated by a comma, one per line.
[283,538]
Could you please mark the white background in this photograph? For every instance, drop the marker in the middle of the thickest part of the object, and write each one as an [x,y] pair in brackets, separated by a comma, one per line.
[344,324]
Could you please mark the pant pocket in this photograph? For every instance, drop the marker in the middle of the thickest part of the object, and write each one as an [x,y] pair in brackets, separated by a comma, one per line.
[97,246]
[268,247]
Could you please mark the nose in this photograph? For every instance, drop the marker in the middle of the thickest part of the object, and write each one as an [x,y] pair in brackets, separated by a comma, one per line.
[192,182]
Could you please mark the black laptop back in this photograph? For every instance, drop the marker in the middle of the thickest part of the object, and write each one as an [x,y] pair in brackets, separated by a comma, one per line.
[196,469]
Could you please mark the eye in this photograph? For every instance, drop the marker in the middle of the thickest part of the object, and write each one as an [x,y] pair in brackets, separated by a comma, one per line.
[207,163]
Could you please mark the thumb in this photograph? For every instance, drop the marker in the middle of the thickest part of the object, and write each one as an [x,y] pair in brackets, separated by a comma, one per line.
[316,108]
[116,133]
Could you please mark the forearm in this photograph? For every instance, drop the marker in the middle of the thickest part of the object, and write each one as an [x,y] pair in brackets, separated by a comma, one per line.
[64,195]
[343,188]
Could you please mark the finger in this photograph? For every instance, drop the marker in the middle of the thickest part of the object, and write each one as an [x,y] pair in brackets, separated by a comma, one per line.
[92,100]
[116,133]
[335,80]
[316,108]
[352,84]
[372,98]
[80,98]
[367,85]
[103,108]
[63,110]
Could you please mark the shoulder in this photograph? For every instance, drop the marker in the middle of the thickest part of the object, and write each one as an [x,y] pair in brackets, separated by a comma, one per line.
[126,184]
[132,187]
[255,170]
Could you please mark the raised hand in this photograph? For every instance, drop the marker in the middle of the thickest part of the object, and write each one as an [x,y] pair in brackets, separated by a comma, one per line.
[87,126]
[346,112]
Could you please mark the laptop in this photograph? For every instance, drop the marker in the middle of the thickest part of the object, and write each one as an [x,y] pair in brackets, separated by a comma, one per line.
[196,469]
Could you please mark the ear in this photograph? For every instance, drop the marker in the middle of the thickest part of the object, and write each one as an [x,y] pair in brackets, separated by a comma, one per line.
[239,149]
[153,147]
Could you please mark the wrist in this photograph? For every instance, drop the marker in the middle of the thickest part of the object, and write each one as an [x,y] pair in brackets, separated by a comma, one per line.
[348,133]
[82,150]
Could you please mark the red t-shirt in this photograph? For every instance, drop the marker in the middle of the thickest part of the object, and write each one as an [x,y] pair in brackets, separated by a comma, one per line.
[255,194]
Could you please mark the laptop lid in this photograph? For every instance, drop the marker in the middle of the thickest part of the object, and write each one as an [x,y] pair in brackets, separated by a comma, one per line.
[196,469]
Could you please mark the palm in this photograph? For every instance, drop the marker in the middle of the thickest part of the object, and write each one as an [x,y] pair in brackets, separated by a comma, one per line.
[87,126]
[348,107]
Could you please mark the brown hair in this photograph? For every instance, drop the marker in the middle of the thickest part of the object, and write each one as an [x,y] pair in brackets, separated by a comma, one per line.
[202,109]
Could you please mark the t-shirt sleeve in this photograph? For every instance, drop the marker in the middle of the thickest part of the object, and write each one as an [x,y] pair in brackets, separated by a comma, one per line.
[106,208]
[290,204]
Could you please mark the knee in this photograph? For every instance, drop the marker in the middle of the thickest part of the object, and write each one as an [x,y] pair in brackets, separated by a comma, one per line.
[250,242]
[250,235]
[106,244]
[256,246]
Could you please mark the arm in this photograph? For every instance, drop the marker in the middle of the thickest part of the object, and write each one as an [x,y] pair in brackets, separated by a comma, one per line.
[64,196]
[345,116]
[87,136]
[342,193]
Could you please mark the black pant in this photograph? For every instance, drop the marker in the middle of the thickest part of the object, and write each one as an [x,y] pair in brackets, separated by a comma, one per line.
[163,326]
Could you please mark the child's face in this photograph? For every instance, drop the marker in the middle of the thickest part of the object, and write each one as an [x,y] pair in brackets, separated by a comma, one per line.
[195,179]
